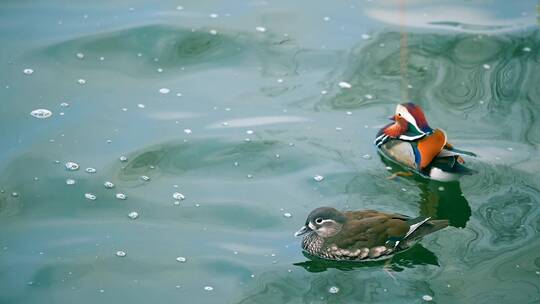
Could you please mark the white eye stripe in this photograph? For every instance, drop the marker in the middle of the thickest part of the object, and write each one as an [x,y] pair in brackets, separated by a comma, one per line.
[408,117]
[322,222]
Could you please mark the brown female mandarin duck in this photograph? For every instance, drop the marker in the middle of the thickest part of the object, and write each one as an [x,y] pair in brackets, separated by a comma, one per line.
[362,235]
[411,142]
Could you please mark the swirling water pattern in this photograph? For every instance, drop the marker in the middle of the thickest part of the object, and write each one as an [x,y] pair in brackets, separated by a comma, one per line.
[249,118]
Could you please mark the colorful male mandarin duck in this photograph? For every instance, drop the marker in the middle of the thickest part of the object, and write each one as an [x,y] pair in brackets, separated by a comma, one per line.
[363,235]
[411,142]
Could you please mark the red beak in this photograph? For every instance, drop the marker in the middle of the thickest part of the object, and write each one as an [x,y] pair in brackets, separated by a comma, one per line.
[392,118]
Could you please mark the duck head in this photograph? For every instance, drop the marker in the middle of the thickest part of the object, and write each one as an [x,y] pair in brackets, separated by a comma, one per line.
[324,221]
[408,118]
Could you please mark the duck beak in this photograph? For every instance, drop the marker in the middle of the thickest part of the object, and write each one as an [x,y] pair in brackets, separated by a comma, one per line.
[392,118]
[302,231]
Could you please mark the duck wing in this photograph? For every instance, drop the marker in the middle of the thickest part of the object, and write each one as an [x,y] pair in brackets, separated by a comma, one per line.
[451,147]
[369,229]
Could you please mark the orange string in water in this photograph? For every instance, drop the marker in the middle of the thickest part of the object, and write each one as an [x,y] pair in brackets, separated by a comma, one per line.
[403,52]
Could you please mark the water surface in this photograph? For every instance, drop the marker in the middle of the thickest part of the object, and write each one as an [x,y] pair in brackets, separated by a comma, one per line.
[236,105]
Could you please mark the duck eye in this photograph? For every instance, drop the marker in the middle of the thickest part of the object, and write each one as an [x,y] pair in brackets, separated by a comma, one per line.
[399,115]
[318,221]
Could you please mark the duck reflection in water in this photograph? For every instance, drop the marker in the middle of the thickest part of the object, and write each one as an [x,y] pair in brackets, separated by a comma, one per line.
[439,200]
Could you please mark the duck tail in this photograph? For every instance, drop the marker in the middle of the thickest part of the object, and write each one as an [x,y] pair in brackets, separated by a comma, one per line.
[426,227]
[419,227]
[461,169]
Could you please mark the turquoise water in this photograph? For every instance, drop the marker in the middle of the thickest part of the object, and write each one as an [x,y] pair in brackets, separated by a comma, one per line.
[252,111]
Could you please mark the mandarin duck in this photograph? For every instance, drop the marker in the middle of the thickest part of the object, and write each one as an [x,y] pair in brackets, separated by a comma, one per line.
[362,236]
[411,142]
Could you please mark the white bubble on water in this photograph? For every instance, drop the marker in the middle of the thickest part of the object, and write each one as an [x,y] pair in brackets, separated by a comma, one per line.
[487,66]
[81,81]
[108,185]
[333,290]
[28,71]
[145,178]
[90,196]
[179,8]
[260,29]
[214,15]
[213,32]
[318,178]
[526,49]
[123,158]
[70,181]
[121,196]
[208,288]
[181,259]
[326,18]
[90,170]
[80,55]
[64,104]
[187,131]
[164,91]
[427,298]
[287,215]
[133,215]
[41,113]
[142,106]
[121,253]
[72,166]
[344,85]
[365,36]
[178,196]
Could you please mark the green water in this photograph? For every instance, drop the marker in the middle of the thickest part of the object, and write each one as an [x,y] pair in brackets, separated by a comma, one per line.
[473,66]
